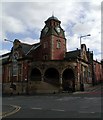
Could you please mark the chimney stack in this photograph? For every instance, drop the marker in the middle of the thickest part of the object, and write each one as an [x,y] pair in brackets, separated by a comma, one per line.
[88,49]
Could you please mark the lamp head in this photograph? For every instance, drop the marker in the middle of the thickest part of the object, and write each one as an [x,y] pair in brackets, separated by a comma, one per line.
[89,35]
[5,39]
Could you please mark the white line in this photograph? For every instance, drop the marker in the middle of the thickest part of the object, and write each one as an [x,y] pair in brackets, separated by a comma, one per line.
[92,112]
[89,98]
[59,99]
[57,110]
[85,112]
[37,108]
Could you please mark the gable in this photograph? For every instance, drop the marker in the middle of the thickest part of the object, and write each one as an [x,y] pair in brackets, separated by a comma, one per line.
[84,52]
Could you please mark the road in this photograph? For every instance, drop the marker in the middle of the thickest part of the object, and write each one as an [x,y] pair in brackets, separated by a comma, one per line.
[65,105]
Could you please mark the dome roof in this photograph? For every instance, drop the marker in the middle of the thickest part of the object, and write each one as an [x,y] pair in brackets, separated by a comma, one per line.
[53,18]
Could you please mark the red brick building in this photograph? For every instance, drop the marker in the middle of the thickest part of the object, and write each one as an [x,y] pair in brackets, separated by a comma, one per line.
[47,67]
[98,72]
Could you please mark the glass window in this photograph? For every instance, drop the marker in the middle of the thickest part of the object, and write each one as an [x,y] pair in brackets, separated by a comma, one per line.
[58,44]
[45,45]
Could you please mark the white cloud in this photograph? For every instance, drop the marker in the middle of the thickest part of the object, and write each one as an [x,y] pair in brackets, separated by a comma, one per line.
[73,42]
[13,25]
[30,40]
[97,57]
[52,1]
[78,18]
[4,51]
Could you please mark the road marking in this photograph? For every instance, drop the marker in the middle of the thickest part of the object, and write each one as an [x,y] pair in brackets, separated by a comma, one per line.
[92,112]
[86,112]
[83,112]
[17,108]
[93,98]
[59,99]
[48,109]
[89,92]
[67,98]
[37,108]
[57,110]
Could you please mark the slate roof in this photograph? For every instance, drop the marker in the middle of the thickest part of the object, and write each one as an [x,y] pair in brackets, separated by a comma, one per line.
[26,48]
[53,18]
[72,54]
[4,58]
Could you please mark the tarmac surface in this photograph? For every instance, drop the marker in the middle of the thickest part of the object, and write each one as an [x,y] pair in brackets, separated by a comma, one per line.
[11,109]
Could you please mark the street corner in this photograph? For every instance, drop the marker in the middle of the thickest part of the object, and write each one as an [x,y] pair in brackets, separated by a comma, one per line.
[8,110]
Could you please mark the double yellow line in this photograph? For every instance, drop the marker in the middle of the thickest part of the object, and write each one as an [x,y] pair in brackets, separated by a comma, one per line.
[16,109]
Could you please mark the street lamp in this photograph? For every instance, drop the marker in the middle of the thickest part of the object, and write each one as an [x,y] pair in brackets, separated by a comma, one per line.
[81,79]
[82,37]
[12,65]
[8,40]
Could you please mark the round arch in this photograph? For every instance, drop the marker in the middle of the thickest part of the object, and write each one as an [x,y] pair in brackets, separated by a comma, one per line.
[68,78]
[51,75]
[35,74]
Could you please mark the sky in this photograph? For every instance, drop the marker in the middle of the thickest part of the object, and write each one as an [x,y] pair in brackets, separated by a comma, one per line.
[24,20]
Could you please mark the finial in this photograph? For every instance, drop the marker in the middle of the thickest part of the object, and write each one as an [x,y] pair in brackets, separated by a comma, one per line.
[52,13]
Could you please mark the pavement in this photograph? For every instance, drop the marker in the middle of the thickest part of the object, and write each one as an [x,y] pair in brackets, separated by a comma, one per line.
[96,89]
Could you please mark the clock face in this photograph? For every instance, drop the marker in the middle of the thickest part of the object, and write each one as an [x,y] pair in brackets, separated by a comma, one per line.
[58,29]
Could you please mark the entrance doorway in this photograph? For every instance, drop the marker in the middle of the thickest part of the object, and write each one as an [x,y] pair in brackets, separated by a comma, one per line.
[52,76]
[68,80]
[35,75]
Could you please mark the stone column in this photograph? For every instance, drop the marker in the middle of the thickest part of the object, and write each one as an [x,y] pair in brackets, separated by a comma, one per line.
[42,77]
[60,81]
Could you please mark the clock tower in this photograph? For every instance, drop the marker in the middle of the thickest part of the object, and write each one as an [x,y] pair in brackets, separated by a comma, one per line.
[52,40]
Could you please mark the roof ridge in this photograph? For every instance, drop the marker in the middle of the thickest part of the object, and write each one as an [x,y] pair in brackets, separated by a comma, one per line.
[32,48]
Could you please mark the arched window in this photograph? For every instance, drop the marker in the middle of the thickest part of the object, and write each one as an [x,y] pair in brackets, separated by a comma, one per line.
[45,57]
[58,44]
[45,45]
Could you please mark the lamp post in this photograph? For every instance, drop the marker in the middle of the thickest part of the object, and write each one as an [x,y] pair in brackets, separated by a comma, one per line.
[11,86]
[81,79]
[14,64]
[82,37]
[8,40]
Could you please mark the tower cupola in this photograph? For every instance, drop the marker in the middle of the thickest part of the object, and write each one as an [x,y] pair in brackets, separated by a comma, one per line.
[53,40]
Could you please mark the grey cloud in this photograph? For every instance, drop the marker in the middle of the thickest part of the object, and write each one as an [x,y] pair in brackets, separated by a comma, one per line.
[31,16]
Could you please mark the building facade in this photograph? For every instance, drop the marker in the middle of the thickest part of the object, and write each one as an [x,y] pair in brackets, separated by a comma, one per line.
[47,67]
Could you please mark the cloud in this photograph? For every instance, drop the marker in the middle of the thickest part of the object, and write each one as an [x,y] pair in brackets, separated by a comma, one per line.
[77,18]
[95,1]
[4,51]
[73,42]
[13,25]
[97,57]
[30,41]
